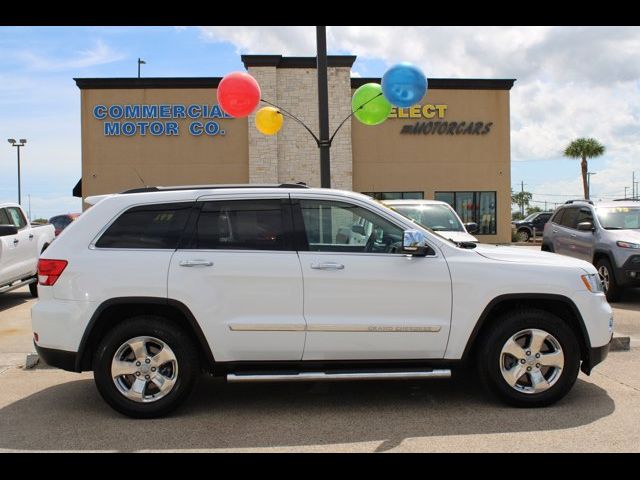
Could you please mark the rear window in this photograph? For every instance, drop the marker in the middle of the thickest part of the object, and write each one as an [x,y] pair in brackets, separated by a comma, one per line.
[570,218]
[147,226]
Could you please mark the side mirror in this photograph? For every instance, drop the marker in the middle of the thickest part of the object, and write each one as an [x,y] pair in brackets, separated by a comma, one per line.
[471,227]
[359,229]
[415,243]
[586,227]
[6,230]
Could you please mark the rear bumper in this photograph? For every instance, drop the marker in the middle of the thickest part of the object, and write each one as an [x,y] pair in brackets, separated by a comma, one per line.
[595,355]
[58,358]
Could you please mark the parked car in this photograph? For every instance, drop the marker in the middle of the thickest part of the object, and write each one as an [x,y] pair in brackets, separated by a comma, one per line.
[258,283]
[60,222]
[20,246]
[606,235]
[436,215]
[533,224]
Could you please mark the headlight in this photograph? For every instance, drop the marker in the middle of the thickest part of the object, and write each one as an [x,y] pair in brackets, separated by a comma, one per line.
[628,245]
[592,282]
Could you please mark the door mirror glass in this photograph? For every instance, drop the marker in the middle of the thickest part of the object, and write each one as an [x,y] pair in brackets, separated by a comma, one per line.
[415,243]
[8,230]
[586,226]
[472,227]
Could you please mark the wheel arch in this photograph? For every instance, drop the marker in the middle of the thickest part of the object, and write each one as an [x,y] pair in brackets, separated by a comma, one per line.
[116,310]
[558,305]
[600,253]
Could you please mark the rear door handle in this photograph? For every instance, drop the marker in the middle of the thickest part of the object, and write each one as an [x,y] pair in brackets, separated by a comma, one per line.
[31,236]
[327,266]
[15,241]
[196,263]
[573,235]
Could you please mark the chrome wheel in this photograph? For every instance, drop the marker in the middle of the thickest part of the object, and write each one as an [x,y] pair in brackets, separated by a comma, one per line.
[531,361]
[604,276]
[144,369]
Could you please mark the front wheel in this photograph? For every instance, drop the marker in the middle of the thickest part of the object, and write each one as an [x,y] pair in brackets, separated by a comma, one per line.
[611,288]
[145,367]
[524,235]
[33,288]
[530,359]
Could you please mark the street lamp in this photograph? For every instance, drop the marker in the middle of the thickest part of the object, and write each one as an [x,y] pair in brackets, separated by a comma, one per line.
[19,144]
[589,183]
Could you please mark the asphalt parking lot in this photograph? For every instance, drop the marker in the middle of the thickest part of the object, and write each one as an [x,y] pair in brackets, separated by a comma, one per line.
[51,410]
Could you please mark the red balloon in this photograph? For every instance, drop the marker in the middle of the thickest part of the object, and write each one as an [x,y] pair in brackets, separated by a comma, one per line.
[238,94]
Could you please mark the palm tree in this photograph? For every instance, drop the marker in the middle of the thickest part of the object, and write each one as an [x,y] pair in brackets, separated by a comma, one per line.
[584,148]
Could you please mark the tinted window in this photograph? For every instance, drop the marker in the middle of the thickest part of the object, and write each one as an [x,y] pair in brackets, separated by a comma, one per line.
[16,217]
[343,227]
[570,217]
[147,226]
[4,218]
[584,216]
[240,225]
[557,217]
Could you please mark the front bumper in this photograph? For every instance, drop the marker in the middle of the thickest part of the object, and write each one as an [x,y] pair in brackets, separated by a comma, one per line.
[58,358]
[629,274]
[595,355]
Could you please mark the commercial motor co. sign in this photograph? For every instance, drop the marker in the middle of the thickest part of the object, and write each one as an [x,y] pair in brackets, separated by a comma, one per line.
[160,120]
[432,121]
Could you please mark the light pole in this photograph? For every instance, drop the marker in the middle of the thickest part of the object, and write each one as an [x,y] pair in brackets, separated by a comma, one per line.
[140,62]
[22,143]
[589,184]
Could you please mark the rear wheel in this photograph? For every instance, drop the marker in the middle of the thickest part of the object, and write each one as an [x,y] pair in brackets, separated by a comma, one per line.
[33,288]
[530,359]
[145,367]
[524,235]
[611,288]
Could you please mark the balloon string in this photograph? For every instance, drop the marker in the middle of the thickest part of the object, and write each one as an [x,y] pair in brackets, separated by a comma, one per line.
[351,115]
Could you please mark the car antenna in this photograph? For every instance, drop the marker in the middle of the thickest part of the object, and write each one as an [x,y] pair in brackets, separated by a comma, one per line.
[141,180]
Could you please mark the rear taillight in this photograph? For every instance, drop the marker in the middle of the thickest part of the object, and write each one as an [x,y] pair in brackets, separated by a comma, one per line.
[50,270]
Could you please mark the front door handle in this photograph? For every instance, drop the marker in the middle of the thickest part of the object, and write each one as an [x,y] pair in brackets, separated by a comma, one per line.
[15,241]
[196,263]
[327,266]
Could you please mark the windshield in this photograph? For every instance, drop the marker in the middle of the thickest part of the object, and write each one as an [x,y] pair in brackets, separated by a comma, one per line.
[619,218]
[530,217]
[435,217]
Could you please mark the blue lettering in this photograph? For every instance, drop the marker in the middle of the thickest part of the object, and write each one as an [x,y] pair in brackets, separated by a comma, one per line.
[165,111]
[195,128]
[143,127]
[149,111]
[99,112]
[216,112]
[129,128]
[156,128]
[179,111]
[111,128]
[115,111]
[171,128]
[194,111]
[211,128]
[132,111]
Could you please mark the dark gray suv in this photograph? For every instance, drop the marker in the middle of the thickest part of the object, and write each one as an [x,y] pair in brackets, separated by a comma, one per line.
[606,234]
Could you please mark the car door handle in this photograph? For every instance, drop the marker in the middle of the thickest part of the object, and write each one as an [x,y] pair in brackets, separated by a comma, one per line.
[196,263]
[31,236]
[16,241]
[573,235]
[555,231]
[327,266]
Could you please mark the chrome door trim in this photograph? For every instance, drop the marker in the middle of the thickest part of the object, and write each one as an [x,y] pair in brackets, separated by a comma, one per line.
[275,327]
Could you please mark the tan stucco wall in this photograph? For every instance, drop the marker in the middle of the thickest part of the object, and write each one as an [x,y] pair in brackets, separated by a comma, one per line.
[109,163]
[386,161]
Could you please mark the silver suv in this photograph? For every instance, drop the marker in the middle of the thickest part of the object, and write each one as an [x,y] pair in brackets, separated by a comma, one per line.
[606,234]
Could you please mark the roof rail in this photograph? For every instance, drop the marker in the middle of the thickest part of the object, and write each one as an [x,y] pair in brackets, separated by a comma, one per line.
[160,188]
[579,200]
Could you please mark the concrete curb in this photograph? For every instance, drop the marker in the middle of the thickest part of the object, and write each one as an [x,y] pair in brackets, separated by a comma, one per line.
[620,344]
[31,361]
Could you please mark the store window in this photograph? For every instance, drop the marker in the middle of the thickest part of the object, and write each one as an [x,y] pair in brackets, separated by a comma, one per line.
[476,207]
[396,195]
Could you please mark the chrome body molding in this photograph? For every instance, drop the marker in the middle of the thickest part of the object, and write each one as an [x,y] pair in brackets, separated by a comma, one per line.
[328,376]
[262,327]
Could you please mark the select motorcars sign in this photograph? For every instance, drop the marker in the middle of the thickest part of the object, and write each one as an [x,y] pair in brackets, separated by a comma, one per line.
[433,122]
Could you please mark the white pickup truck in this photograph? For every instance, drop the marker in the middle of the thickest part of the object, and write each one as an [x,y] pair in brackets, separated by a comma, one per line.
[20,247]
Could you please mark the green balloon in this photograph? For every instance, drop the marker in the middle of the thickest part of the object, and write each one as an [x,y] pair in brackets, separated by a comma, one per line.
[368,111]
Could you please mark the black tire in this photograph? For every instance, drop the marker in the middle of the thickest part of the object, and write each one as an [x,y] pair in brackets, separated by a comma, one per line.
[174,337]
[33,288]
[524,235]
[510,323]
[614,291]
[547,247]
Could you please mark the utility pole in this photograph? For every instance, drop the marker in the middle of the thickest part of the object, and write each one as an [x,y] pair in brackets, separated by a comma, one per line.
[18,145]
[323,108]
[625,192]
[522,198]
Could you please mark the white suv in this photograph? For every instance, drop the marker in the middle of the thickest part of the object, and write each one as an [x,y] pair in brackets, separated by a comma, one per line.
[254,283]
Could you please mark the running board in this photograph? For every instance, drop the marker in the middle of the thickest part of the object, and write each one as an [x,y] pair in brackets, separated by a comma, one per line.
[8,288]
[328,376]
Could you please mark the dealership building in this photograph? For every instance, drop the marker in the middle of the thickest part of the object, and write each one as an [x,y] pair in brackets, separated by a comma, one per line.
[454,146]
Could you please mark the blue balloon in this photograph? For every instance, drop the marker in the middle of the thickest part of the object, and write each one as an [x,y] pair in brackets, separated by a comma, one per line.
[404,85]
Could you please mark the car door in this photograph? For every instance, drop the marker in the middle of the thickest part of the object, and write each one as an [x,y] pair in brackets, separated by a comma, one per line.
[539,223]
[9,259]
[367,300]
[240,276]
[26,247]
[565,230]
[582,240]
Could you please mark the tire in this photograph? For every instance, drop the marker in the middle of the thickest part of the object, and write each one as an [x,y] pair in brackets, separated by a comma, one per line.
[178,377]
[547,247]
[491,359]
[33,288]
[611,288]
[524,235]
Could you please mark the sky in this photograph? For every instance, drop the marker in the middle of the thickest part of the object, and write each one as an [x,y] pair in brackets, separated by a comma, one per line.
[571,82]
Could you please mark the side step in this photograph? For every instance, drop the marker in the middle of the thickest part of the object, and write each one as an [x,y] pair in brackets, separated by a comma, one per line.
[13,286]
[333,376]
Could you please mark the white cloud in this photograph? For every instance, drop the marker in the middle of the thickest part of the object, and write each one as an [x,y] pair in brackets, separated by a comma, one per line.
[99,54]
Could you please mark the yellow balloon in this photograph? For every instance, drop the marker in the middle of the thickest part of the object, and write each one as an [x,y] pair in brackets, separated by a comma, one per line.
[269,120]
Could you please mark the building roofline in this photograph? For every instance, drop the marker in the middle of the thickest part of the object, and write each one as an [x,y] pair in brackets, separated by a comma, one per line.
[149,82]
[451,83]
[279,61]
